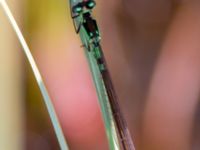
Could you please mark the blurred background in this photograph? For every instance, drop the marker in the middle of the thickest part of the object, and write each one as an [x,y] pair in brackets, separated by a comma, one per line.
[24,121]
[131,44]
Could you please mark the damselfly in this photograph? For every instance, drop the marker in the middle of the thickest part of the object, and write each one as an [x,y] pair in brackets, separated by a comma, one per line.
[87,27]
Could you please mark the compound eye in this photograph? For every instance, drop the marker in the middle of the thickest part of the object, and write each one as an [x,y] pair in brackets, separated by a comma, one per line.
[90,4]
[77,9]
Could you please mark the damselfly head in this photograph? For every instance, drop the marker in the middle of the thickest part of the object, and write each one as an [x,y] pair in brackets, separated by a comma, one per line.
[90,4]
[77,8]
[86,4]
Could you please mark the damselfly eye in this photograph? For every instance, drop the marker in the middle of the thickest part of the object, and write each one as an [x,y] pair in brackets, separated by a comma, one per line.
[90,4]
[77,9]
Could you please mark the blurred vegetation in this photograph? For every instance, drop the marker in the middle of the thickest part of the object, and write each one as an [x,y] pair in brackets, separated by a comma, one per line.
[42,17]
[45,14]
